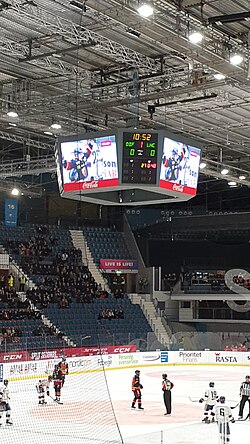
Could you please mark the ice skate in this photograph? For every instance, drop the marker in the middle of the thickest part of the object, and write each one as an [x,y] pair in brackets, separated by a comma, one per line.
[140,407]
[9,422]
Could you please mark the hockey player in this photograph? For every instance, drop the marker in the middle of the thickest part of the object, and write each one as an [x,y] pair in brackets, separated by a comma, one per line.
[245,396]
[42,386]
[4,402]
[173,165]
[57,378]
[64,368]
[210,398]
[223,415]
[136,389]
[167,386]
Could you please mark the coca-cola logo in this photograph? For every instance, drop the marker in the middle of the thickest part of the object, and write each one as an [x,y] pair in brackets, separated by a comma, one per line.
[179,188]
[90,185]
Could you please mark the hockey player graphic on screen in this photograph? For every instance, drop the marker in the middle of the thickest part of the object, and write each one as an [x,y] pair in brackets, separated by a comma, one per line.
[78,165]
[180,163]
[86,163]
[174,164]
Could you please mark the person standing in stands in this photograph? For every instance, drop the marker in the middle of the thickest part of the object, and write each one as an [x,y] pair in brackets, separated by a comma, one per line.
[22,281]
[11,280]
[167,386]
[136,389]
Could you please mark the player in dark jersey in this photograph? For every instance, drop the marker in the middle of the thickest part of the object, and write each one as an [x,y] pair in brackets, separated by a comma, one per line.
[64,368]
[57,379]
[136,389]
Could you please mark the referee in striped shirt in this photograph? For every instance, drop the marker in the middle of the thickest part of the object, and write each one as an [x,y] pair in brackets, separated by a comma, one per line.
[245,396]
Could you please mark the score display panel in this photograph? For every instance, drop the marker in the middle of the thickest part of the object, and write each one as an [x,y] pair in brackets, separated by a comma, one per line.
[140,157]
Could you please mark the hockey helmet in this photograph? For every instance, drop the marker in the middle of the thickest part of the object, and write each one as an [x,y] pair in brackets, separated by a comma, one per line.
[137,372]
[77,151]
[174,152]
[164,376]
[6,382]
[211,384]
[247,377]
[49,378]
[222,399]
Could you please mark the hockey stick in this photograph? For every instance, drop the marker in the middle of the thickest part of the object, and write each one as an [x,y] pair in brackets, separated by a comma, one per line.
[235,406]
[55,400]
[197,400]
[242,420]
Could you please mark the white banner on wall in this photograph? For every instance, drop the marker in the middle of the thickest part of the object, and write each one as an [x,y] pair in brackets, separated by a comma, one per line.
[37,369]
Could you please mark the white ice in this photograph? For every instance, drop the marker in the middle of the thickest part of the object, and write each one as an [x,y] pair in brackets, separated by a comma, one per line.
[86,415]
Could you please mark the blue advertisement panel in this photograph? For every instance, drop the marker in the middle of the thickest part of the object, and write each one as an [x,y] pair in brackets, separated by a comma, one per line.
[10,212]
[1,372]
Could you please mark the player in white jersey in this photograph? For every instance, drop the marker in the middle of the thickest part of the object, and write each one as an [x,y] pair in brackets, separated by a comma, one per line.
[223,415]
[4,402]
[210,398]
[42,386]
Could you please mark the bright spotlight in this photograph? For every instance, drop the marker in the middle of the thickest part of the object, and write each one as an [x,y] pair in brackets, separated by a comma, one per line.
[236,59]
[195,37]
[203,165]
[15,192]
[219,76]
[145,9]
[224,171]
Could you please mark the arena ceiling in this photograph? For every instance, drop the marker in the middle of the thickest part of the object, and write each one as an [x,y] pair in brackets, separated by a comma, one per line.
[97,64]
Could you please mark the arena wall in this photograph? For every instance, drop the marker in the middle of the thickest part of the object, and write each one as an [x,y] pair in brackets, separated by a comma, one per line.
[13,370]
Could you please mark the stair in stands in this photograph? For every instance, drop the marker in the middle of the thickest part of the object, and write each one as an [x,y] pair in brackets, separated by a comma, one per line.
[153,319]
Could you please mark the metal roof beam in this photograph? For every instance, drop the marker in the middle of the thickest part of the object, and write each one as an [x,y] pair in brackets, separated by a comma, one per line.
[24,140]
[76,34]
[17,168]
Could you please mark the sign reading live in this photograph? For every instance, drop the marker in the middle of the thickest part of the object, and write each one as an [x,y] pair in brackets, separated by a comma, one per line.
[67,353]
[118,264]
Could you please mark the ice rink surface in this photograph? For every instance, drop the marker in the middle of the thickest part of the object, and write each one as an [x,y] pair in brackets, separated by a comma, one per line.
[87,416]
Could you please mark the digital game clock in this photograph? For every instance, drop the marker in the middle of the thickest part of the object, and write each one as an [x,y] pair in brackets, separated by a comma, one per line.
[140,151]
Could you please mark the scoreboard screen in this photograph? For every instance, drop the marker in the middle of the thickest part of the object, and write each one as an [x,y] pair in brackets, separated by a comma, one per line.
[180,167]
[88,164]
[127,166]
[140,153]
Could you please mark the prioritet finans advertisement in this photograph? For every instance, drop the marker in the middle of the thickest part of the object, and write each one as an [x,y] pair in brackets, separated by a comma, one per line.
[179,167]
[89,164]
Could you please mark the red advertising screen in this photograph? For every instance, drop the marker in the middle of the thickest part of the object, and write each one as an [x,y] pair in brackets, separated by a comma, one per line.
[179,167]
[89,163]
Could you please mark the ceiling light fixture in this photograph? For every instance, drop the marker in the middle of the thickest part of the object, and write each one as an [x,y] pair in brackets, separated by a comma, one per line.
[219,76]
[48,133]
[195,37]
[242,177]
[236,59]
[56,126]
[232,183]
[12,114]
[15,192]
[224,171]
[203,165]
[133,32]
[145,9]
[12,124]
